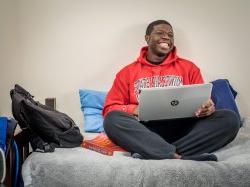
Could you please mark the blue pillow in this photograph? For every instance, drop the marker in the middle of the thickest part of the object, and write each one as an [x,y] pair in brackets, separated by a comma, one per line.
[224,96]
[92,102]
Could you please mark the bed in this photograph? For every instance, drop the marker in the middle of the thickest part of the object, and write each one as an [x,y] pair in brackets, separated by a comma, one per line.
[83,167]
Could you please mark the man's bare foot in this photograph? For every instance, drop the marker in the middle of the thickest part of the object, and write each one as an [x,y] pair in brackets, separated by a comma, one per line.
[176,156]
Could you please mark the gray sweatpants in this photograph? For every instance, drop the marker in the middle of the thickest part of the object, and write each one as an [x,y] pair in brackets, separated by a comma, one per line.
[161,139]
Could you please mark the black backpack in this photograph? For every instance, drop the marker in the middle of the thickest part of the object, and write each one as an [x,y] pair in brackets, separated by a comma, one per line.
[47,128]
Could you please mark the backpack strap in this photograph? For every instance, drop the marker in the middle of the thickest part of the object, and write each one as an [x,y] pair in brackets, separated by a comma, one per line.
[46,148]
[12,124]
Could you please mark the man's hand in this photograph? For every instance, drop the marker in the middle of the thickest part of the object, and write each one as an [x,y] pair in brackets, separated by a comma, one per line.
[206,109]
[135,112]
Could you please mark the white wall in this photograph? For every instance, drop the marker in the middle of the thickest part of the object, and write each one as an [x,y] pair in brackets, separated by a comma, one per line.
[55,47]
[9,60]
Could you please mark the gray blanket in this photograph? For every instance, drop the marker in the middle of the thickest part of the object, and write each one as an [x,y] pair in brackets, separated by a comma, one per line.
[82,167]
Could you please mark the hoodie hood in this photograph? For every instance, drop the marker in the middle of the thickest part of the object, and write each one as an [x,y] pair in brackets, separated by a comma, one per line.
[170,59]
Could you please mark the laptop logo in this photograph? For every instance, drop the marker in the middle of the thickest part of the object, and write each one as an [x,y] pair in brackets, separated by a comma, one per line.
[174,102]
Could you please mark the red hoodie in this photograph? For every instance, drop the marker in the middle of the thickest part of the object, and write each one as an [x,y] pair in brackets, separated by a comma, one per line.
[174,71]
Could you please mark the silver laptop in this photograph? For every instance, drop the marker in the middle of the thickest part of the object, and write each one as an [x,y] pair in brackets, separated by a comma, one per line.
[172,102]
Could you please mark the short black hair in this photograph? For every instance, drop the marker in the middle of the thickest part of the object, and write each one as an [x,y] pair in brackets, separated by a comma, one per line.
[157,22]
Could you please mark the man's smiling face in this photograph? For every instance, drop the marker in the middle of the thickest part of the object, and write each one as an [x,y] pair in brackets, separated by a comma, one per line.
[161,40]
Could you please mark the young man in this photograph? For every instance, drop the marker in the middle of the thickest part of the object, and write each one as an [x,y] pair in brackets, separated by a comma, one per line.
[158,65]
